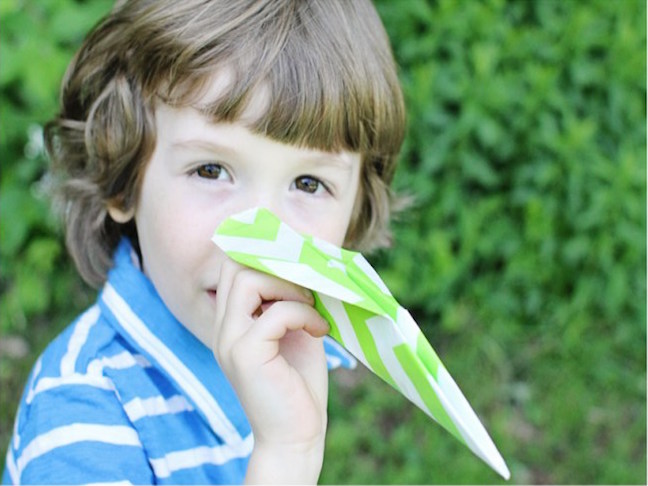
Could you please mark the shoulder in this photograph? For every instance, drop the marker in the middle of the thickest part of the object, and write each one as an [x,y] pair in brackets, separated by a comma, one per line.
[77,356]
[70,415]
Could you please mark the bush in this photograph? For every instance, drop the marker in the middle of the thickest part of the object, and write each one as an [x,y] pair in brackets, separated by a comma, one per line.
[523,257]
[40,289]
[38,41]
[526,154]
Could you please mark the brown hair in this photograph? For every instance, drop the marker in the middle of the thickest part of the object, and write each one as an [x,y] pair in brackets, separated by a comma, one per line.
[331,81]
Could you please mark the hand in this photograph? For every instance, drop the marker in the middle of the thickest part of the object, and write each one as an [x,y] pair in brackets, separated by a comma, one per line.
[267,340]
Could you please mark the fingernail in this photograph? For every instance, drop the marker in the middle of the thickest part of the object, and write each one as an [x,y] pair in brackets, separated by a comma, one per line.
[328,327]
[308,294]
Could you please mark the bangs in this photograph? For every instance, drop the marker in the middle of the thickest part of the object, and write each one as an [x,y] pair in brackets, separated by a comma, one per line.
[313,74]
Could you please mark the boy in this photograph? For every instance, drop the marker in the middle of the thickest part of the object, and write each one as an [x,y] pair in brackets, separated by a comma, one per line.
[175,115]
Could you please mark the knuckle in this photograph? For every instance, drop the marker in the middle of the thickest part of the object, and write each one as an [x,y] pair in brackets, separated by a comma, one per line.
[244,279]
[229,265]
[243,275]
[228,270]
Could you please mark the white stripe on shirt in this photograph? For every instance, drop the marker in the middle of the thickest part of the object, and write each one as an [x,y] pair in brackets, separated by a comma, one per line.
[78,339]
[11,467]
[197,456]
[333,361]
[16,435]
[119,361]
[176,368]
[48,383]
[149,407]
[345,356]
[30,392]
[71,434]
[31,388]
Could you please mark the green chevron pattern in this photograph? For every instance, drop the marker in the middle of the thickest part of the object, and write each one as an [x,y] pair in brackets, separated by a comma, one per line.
[364,317]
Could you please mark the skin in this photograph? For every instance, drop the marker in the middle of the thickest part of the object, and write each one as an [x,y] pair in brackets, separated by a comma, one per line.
[263,331]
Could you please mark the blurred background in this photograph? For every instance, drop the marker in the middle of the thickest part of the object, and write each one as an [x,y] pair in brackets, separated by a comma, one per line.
[523,257]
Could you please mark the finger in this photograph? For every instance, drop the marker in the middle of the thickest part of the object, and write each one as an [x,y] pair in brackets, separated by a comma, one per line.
[305,353]
[286,316]
[262,339]
[228,271]
[250,289]
[244,292]
[288,332]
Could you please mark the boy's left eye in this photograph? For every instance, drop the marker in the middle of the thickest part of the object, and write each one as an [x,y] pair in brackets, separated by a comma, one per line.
[309,184]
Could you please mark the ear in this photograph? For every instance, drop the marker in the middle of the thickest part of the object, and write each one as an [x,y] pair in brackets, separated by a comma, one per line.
[118,215]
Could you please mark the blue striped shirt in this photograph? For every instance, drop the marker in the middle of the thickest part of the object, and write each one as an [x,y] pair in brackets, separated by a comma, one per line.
[127,395]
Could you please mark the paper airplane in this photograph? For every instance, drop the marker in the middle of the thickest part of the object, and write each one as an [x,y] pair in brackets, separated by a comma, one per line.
[364,318]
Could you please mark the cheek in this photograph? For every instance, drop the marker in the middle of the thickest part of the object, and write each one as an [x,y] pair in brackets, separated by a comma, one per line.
[332,230]
[163,233]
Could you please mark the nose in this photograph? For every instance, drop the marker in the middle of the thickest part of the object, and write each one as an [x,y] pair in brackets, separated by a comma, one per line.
[268,199]
[281,206]
[273,198]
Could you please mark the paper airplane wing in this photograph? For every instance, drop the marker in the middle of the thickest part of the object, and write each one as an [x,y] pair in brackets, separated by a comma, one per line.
[364,317]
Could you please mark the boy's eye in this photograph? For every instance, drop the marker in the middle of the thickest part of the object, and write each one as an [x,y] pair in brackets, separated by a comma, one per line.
[308,184]
[211,171]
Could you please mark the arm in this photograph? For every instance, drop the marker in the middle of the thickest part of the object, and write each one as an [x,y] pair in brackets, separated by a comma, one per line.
[268,341]
[75,433]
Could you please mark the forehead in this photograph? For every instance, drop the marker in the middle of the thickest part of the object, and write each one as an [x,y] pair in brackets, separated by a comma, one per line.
[187,130]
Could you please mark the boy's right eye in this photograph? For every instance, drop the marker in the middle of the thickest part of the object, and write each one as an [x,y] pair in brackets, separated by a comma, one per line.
[211,171]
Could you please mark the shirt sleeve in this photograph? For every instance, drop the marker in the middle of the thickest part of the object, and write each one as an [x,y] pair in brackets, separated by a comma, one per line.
[337,356]
[73,430]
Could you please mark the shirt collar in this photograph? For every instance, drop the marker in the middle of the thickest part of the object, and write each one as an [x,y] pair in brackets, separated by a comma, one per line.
[145,322]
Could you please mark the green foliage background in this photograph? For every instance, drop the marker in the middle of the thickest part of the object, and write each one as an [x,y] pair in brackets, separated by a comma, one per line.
[523,257]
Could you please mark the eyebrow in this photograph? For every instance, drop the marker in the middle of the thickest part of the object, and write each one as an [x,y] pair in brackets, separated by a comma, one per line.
[317,158]
[333,159]
[205,145]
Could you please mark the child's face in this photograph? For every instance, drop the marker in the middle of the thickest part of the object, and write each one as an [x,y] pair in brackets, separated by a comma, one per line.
[201,173]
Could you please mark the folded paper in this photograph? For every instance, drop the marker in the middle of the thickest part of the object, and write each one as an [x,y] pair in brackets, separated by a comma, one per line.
[363,315]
